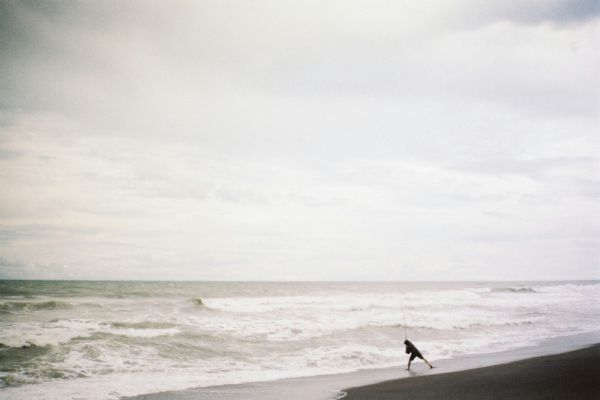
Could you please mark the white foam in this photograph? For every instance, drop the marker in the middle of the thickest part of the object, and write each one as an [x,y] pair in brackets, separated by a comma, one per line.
[59,332]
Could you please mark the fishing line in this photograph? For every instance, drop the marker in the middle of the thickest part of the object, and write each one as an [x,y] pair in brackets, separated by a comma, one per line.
[404,320]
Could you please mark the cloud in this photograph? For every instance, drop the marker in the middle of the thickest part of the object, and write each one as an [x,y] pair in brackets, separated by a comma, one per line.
[537,11]
[133,61]
[265,140]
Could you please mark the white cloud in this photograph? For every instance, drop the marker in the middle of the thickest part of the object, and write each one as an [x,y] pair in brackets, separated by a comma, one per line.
[220,140]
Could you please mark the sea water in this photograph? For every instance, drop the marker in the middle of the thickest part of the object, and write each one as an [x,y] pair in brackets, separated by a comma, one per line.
[103,340]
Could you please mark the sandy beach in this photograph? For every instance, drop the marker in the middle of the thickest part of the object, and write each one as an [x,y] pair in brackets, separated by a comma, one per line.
[571,375]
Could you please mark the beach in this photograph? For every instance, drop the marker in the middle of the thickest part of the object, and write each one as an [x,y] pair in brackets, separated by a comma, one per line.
[571,375]
[564,367]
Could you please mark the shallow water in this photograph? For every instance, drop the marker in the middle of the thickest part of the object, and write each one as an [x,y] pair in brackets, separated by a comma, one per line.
[107,339]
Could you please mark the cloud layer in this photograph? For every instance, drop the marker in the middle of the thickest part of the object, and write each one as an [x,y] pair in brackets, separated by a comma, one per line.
[299,140]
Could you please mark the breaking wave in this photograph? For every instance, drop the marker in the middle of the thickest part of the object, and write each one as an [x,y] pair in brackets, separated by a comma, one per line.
[12,306]
[513,290]
[198,302]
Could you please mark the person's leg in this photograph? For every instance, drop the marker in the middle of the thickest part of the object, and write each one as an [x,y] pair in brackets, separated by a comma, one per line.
[412,357]
[424,359]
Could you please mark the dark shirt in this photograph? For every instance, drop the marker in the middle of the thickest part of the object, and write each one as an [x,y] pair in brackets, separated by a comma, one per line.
[411,349]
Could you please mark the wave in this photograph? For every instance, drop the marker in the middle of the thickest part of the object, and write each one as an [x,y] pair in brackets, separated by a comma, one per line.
[14,358]
[513,290]
[432,328]
[26,345]
[142,325]
[12,306]
[198,302]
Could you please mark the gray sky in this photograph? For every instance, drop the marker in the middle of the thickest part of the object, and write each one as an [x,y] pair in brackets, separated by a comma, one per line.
[327,140]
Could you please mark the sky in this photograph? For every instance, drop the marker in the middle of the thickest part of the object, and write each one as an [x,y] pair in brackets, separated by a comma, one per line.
[300,140]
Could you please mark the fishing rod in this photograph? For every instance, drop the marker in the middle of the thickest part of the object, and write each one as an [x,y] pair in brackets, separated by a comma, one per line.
[404,321]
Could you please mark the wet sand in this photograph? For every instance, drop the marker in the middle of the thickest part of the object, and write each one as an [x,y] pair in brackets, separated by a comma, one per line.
[572,375]
[328,387]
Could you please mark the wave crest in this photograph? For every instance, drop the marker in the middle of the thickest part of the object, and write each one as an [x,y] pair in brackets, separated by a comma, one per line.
[12,306]
[198,302]
[513,290]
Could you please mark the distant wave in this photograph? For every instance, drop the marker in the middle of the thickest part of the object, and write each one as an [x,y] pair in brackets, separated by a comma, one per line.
[11,306]
[431,328]
[142,325]
[513,290]
[198,302]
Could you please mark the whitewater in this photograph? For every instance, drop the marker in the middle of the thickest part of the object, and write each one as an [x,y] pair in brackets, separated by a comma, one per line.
[104,340]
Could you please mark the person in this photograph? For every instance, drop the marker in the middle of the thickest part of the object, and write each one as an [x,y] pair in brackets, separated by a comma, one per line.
[414,352]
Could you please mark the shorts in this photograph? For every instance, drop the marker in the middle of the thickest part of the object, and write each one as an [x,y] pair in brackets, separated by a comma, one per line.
[415,354]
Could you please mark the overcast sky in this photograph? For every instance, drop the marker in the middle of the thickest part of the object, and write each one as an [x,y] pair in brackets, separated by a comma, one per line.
[300,140]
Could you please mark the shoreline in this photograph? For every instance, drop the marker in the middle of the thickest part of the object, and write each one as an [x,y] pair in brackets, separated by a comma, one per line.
[328,387]
[570,375]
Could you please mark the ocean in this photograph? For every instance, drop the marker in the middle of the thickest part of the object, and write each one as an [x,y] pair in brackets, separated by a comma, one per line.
[102,340]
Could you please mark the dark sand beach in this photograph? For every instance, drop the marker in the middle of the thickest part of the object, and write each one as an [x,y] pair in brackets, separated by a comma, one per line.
[572,375]
[562,367]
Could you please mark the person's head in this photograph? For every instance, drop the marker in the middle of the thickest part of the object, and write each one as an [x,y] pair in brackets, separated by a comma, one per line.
[406,341]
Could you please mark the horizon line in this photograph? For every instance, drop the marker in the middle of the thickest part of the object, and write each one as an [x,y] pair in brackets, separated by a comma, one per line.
[299,281]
